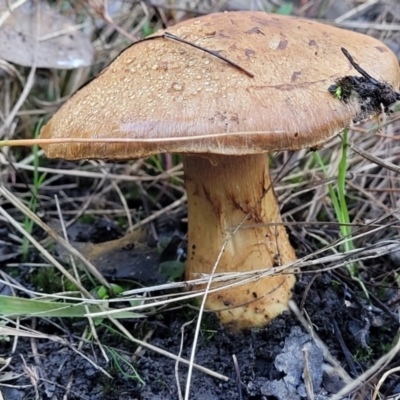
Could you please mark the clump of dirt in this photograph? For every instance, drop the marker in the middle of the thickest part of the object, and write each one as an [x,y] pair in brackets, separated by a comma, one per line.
[372,95]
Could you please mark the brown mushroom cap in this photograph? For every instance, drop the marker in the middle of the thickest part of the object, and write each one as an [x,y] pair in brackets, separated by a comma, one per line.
[168,91]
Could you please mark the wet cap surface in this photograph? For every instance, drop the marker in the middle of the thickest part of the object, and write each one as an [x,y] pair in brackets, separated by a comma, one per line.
[176,95]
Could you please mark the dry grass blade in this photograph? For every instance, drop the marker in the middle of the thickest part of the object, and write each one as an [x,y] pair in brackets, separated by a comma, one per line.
[11,7]
[43,251]
[25,210]
[29,333]
[167,353]
[33,374]
[339,260]
[356,10]
[368,25]
[363,378]
[327,355]
[83,290]
[88,174]
[376,160]
[382,381]
[307,375]
[159,213]
[41,142]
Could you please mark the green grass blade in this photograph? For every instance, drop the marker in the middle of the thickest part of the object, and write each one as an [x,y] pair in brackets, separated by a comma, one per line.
[20,307]
[344,217]
[340,205]
[331,190]
[37,181]
[124,365]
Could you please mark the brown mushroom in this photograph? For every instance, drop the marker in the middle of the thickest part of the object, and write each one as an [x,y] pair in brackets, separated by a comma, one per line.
[183,100]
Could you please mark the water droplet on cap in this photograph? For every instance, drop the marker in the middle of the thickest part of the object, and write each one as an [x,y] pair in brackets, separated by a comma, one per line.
[177,86]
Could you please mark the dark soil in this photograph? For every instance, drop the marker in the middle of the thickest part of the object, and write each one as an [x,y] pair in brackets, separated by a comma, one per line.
[270,360]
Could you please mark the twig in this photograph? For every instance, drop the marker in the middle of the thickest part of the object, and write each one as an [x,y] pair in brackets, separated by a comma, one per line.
[307,375]
[237,376]
[167,35]
[346,352]
[179,354]
[327,355]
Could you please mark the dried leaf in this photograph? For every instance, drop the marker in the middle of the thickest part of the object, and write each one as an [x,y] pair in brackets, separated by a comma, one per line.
[58,42]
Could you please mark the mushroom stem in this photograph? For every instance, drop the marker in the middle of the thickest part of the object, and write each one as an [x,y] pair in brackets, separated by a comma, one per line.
[221,191]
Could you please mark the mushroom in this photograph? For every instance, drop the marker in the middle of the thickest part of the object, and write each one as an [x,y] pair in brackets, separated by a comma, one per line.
[48,40]
[174,98]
